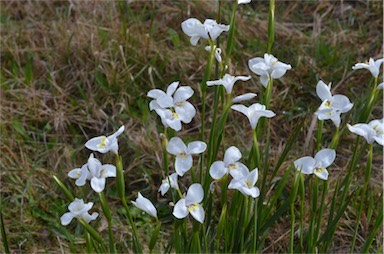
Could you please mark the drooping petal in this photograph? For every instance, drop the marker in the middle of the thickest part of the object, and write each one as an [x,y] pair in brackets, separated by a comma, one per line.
[264,79]
[380,86]
[364,130]
[218,170]
[173,180]
[342,103]
[108,170]
[243,1]
[75,173]
[66,218]
[242,109]
[305,164]
[88,218]
[325,157]
[164,187]
[278,73]
[196,147]
[155,93]
[98,184]
[232,155]
[145,205]
[183,164]
[321,173]
[176,146]
[336,119]
[180,210]
[379,139]
[252,177]
[197,212]
[244,97]
[195,194]
[97,144]
[183,93]
[76,205]
[323,91]
[254,192]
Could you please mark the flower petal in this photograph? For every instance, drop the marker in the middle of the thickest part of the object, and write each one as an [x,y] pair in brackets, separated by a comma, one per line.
[322,173]
[197,212]
[183,164]
[146,205]
[155,93]
[183,93]
[172,88]
[108,170]
[98,184]
[244,97]
[240,171]
[180,210]
[195,194]
[323,91]
[165,101]
[196,147]
[232,155]
[186,112]
[325,157]
[176,146]
[218,170]
[305,164]
[66,218]
[264,79]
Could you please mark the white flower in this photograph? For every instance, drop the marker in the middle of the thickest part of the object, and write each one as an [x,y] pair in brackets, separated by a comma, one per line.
[93,171]
[230,165]
[191,204]
[332,106]
[228,81]
[373,131]
[246,184]
[77,209]
[268,68]
[244,97]
[105,144]
[380,86]
[146,205]
[243,1]
[217,52]
[184,154]
[254,112]
[196,30]
[175,99]
[318,165]
[170,181]
[373,66]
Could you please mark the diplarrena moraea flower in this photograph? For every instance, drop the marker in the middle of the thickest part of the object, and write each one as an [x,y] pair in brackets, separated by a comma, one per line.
[184,153]
[228,81]
[196,30]
[230,165]
[243,1]
[372,65]
[333,105]
[170,181]
[254,112]
[191,204]
[103,144]
[172,106]
[217,52]
[145,205]
[78,209]
[268,68]
[318,165]
[93,171]
[373,131]
[246,184]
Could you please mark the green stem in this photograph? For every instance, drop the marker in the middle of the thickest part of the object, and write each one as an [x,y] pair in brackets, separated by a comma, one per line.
[321,212]
[256,151]
[362,198]
[165,153]
[315,191]
[231,34]
[107,213]
[255,225]
[88,243]
[335,139]
[372,99]
[292,205]
[271,25]
[319,134]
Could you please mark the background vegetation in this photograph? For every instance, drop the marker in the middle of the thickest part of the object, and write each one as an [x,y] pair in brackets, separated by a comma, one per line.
[71,70]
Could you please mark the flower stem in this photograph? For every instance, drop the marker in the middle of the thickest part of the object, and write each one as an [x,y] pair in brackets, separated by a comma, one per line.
[372,99]
[321,211]
[271,25]
[255,225]
[335,139]
[310,240]
[362,198]
[319,134]
[256,150]
[292,205]
[107,213]
[165,154]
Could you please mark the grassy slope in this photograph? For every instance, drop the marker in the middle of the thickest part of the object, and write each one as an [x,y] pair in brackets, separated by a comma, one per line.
[72,72]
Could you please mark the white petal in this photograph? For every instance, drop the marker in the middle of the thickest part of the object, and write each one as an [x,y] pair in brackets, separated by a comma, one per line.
[380,86]
[323,91]
[253,176]
[379,139]
[183,164]
[194,40]
[336,119]
[363,130]
[176,146]
[196,147]
[155,93]
[173,180]
[264,79]
[175,124]
[66,218]
[186,112]
[75,173]
[244,97]
[325,157]
[180,211]
[218,170]
[165,101]
[232,155]
[108,170]
[94,144]
[88,218]
[240,171]
[183,93]
[164,187]
[323,174]
[305,164]
[243,1]
[197,212]
[278,73]
[98,184]
[76,205]
[195,194]
[242,109]
[145,205]
[253,192]
[172,88]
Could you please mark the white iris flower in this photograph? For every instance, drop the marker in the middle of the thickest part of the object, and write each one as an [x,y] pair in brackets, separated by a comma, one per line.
[170,181]
[105,144]
[228,81]
[373,131]
[246,184]
[77,209]
[191,204]
[184,153]
[146,205]
[254,112]
[196,30]
[373,66]
[318,165]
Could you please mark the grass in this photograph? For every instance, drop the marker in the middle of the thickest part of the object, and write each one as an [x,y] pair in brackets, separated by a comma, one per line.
[73,71]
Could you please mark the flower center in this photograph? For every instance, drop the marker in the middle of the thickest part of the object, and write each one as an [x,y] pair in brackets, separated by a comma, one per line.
[182,155]
[328,104]
[249,184]
[175,116]
[180,103]
[193,207]
[319,170]
[103,142]
[233,166]
[377,130]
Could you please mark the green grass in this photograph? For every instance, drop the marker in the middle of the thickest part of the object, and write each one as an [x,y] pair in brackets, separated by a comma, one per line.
[68,74]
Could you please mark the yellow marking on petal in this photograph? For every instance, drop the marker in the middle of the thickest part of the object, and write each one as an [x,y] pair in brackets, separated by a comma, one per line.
[319,170]
[249,183]
[102,142]
[328,104]
[175,115]
[376,129]
[180,103]
[78,175]
[103,174]
[193,207]
[182,155]
[233,166]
